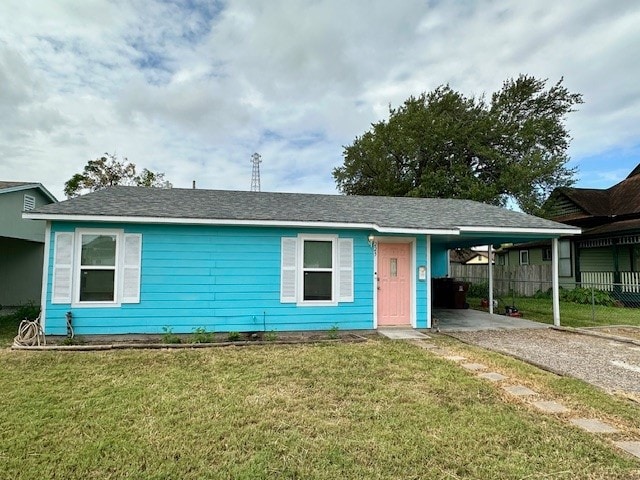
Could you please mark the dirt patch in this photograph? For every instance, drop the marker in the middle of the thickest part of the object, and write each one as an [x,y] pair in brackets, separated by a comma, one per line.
[632,333]
[118,342]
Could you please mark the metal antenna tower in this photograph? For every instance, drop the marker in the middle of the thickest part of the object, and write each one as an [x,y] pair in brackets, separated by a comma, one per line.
[255,173]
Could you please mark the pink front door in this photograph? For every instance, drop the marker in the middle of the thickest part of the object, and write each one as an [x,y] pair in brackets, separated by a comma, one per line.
[394,284]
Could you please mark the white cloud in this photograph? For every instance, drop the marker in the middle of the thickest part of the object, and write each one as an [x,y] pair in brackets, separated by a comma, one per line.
[194,88]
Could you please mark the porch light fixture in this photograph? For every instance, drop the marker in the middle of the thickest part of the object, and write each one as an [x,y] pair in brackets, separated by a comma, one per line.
[371,239]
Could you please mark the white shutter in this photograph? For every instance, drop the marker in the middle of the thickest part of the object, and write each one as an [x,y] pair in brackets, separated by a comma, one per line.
[62,268]
[345,270]
[131,268]
[288,283]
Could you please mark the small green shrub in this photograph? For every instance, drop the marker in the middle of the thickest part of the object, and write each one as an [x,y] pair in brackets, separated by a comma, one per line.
[478,290]
[586,296]
[169,337]
[201,335]
[543,293]
[28,310]
[233,336]
[271,336]
[333,332]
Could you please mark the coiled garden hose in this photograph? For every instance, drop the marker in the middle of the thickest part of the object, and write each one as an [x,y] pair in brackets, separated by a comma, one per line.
[30,333]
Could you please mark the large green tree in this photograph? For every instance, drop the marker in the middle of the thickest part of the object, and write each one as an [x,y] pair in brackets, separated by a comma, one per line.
[108,171]
[445,144]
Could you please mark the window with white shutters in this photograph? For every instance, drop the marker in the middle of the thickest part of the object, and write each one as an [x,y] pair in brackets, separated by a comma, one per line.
[316,270]
[96,267]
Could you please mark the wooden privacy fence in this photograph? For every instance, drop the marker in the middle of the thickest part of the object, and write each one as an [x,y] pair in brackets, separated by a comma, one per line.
[523,280]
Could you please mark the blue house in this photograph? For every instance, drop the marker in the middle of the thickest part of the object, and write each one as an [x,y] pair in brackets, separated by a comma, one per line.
[135,260]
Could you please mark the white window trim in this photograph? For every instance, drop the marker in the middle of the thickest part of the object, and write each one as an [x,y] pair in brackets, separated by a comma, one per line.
[77,267]
[301,302]
[521,261]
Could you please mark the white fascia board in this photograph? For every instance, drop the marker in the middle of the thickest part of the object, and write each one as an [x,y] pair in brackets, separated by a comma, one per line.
[420,231]
[547,231]
[232,222]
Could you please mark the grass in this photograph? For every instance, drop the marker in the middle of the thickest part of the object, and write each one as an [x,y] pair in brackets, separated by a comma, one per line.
[571,314]
[583,399]
[379,410]
[8,329]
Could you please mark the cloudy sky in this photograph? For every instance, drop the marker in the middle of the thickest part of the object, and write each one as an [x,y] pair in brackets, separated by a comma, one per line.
[192,88]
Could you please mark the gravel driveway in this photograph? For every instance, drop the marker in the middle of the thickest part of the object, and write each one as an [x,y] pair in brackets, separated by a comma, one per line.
[612,365]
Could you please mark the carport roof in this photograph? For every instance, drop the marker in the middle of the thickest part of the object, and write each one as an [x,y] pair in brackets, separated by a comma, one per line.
[223,207]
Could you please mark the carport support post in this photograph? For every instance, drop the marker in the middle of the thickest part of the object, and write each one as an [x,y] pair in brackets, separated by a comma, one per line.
[489,253]
[428,280]
[554,285]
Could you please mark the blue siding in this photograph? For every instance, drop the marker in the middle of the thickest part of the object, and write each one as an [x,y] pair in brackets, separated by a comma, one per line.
[222,279]
[440,261]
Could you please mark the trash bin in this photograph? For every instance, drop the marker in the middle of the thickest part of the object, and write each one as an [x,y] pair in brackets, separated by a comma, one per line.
[449,293]
[460,290]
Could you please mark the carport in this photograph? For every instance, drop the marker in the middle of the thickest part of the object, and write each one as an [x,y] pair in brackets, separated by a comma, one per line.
[449,320]
[490,236]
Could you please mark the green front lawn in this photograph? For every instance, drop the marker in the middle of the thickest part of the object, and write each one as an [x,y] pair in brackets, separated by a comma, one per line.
[380,409]
[571,314]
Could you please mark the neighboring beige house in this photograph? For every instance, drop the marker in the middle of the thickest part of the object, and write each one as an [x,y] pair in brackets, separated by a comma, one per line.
[21,242]
[468,256]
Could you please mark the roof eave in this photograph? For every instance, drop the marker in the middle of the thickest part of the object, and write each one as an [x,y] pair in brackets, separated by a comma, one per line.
[522,230]
[29,186]
[229,222]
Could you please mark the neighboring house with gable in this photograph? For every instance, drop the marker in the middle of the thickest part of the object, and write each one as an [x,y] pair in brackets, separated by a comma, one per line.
[138,260]
[468,256]
[608,250]
[21,242]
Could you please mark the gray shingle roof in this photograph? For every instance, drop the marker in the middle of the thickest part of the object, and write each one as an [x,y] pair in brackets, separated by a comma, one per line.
[386,212]
[4,184]
[6,187]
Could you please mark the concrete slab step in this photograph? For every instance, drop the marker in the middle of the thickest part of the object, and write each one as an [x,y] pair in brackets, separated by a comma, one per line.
[630,447]
[550,407]
[520,391]
[474,366]
[455,358]
[493,376]
[593,425]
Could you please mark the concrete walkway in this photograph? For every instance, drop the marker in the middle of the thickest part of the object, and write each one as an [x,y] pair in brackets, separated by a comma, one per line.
[467,320]
[402,333]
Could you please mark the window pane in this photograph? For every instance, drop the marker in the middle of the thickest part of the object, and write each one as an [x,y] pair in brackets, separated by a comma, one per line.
[564,267]
[98,250]
[317,254]
[393,267]
[317,286]
[97,285]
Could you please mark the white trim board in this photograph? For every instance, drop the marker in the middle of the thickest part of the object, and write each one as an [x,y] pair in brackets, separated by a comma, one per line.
[233,222]
[533,230]
[306,224]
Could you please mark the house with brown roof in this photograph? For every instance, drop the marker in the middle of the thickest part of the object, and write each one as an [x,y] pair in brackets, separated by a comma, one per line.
[21,242]
[468,256]
[608,250]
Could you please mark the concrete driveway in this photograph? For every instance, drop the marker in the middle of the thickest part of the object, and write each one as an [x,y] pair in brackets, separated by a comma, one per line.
[466,320]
